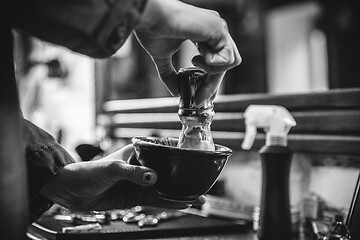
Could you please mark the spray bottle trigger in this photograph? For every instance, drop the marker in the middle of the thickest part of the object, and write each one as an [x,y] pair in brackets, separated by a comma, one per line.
[249,138]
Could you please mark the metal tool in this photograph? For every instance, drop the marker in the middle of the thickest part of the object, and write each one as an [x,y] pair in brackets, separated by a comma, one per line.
[153,220]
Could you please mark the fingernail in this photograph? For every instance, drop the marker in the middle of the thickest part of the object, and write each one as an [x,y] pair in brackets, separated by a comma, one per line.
[149,177]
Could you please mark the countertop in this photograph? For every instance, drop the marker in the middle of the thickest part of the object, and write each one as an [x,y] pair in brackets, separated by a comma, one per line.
[191,226]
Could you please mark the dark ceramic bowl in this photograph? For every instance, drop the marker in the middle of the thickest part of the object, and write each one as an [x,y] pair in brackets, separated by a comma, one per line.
[183,174]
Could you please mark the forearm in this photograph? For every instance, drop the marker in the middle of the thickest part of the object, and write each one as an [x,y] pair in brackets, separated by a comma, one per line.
[96,28]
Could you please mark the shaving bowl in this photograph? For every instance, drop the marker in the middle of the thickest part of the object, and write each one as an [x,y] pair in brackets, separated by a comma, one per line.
[183,174]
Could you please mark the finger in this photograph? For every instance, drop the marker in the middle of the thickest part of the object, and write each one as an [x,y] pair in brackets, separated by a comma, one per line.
[167,74]
[212,98]
[224,55]
[133,160]
[215,13]
[208,88]
[199,201]
[200,62]
[120,170]
[122,154]
[228,55]
[218,49]
[237,55]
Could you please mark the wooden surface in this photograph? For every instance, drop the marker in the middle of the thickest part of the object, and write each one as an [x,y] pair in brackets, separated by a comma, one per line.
[327,122]
[333,121]
[345,98]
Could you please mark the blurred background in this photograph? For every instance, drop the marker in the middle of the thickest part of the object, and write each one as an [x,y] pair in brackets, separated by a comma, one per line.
[287,46]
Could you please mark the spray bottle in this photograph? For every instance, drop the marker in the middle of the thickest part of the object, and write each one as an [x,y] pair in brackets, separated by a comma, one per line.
[276,121]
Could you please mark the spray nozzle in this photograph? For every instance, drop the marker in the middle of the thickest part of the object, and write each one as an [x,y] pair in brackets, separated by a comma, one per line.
[275,120]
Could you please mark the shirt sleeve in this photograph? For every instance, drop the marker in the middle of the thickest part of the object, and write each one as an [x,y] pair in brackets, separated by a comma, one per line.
[44,158]
[96,28]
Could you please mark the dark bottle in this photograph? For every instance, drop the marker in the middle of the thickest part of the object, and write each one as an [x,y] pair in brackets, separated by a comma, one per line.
[275,216]
[339,231]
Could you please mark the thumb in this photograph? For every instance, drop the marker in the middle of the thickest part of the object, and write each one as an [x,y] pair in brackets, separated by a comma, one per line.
[167,74]
[208,88]
[140,175]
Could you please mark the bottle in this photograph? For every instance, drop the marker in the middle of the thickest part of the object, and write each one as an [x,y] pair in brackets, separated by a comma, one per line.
[275,215]
[339,231]
[196,121]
